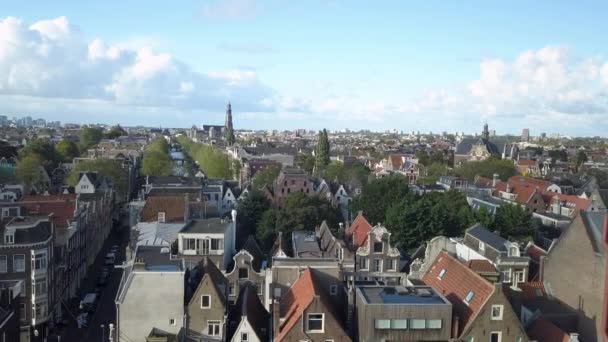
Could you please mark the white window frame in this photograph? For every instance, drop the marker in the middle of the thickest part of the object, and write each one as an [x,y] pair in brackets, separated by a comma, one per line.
[161,217]
[499,335]
[333,290]
[379,268]
[506,279]
[499,316]
[14,263]
[322,330]
[364,262]
[384,320]
[441,273]
[470,295]
[9,238]
[517,276]
[219,327]
[205,307]
[244,336]
[172,321]
[482,246]
[391,264]
[513,248]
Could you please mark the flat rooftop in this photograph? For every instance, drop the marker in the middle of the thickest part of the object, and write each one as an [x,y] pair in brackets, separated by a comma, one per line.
[406,295]
[209,226]
[158,258]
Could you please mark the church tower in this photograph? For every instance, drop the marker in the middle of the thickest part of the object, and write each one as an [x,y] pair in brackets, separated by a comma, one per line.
[228,129]
[485,135]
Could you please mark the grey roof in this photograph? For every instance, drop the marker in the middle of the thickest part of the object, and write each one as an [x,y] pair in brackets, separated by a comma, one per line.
[253,248]
[305,244]
[494,146]
[594,223]
[211,226]
[173,181]
[157,260]
[249,306]
[28,230]
[401,295]
[489,238]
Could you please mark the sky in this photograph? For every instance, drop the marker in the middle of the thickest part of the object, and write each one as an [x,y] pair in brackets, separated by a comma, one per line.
[285,64]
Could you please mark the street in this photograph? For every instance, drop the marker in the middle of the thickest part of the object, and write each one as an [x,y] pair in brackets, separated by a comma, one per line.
[105,311]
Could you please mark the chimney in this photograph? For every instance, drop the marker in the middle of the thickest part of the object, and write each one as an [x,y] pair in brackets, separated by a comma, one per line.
[233,225]
[455,326]
[494,179]
[509,187]
[555,205]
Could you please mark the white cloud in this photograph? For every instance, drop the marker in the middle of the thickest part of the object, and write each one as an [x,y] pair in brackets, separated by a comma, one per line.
[51,59]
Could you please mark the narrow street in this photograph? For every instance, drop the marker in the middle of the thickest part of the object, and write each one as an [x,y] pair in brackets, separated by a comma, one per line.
[105,311]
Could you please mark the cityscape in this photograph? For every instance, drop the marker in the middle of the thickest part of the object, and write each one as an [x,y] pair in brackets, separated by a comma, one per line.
[282,191]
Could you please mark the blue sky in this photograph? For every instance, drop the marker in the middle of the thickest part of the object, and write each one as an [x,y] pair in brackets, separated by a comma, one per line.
[432,65]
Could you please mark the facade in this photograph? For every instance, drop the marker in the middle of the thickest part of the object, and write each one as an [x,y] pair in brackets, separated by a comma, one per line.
[254,165]
[213,238]
[378,258]
[574,272]
[26,263]
[248,321]
[289,180]
[476,149]
[399,313]
[481,310]
[206,306]
[307,313]
[247,269]
[150,295]
[502,253]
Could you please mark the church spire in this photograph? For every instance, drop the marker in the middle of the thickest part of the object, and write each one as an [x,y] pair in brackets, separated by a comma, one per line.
[228,129]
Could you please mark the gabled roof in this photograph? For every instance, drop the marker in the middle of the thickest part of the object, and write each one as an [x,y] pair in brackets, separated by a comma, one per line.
[253,248]
[482,266]
[205,267]
[535,252]
[568,201]
[248,306]
[489,238]
[358,231]
[63,207]
[542,330]
[530,182]
[174,208]
[594,225]
[297,300]
[455,284]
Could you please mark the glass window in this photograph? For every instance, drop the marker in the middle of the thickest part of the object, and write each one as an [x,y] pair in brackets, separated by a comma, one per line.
[190,244]
[377,247]
[416,323]
[19,263]
[3,267]
[40,310]
[22,311]
[383,324]
[40,286]
[506,276]
[244,337]
[205,301]
[399,323]
[213,328]
[496,312]
[433,324]
[377,265]
[315,322]
[243,273]
[333,290]
[441,274]
[469,296]
[217,244]
[363,262]
[390,264]
[495,336]
[482,246]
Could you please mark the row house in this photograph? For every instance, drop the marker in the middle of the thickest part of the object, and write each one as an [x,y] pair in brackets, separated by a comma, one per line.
[290,180]
[248,321]
[481,309]
[247,269]
[252,166]
[28,268]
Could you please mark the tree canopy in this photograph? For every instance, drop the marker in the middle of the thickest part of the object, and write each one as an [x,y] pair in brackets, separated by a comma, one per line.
[487,168]
[514,223]
[322,151]
[115,132]
[266,176]
[301,212]
[213,161]
[67,149]
[45,152]
[157,161]
[251,210]
[378,195]
[305,162]
[28,171]
[90,136]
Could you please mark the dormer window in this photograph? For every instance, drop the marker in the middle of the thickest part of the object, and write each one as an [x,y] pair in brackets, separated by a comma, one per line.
[513,251]
[482,247]
[378,247]
[9,237]
[243,273]
[161,217]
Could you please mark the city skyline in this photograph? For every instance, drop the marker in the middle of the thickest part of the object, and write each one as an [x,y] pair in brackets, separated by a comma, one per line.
[425,67]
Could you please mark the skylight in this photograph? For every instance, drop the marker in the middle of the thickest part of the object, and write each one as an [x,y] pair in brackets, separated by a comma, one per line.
[441,274]
[469,296]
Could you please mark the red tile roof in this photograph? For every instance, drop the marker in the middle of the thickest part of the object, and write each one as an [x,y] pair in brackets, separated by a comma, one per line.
[397,160]
[174,208]
[535,252]
[358,231]
[482,266]
[456,283]
[483,181]
[61,206]
[532,289]
[530,182]
[542,330]
[297,300]
[570,201]
[526,162]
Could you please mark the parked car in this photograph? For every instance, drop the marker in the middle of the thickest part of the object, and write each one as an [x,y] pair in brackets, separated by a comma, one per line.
[110,259]
[87,303]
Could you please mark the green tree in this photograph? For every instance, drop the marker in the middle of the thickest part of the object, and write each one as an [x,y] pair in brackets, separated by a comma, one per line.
[484,217]
[322,151]
[266,176]
[487,168]
[514,223]
[558,155]
[213,161]
[156,163]
[581,158]
[423,157]
[336,171]
[115,132]
[251,210]
[67,149]
[378,195]
[44,150]
[433,172]
[28,171]
[305,162]
[90,136]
